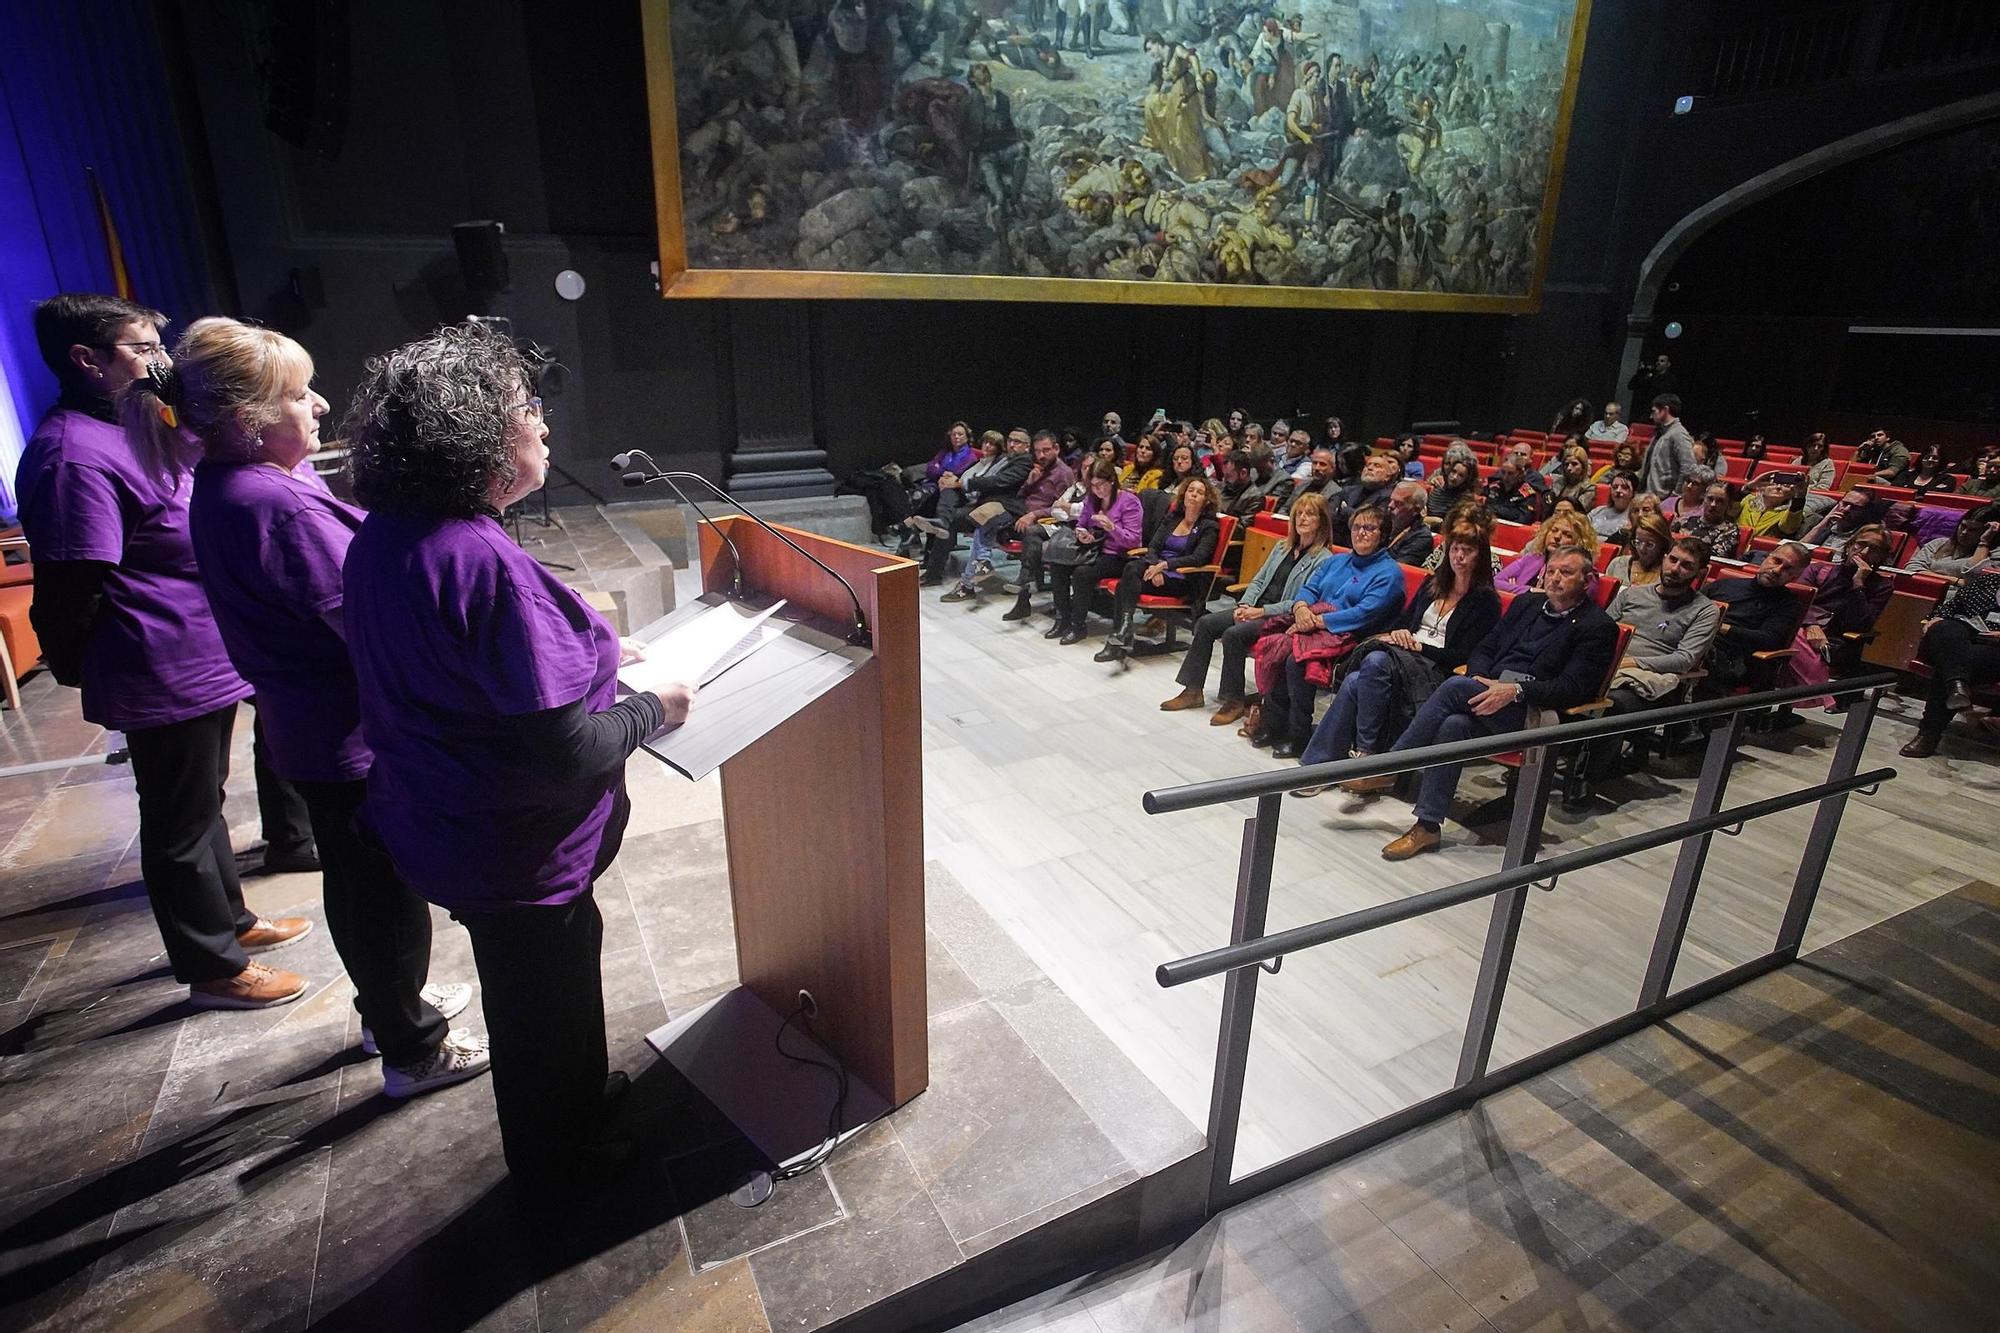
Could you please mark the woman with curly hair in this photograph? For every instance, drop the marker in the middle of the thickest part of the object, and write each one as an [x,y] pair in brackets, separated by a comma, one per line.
[487,691]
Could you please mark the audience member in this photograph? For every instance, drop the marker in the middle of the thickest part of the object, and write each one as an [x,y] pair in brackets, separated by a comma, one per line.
[1850,592]
[1270,595]
[1890,458]
[1673,627]
[1110,427]
[1610,519]
[1971,543]
[1985,477]
[1777,505]
[1713,525]
[1516,492]
[1048,480]
[1237,424]
[1320,482]
[1551,650]
[1002,467]
[1350,595]
[1646,544]
[1707,452]
[1455,480]
[488,692]
[1929,473]
[1108,526]
[1562,531]
[1389,676]
[1144,472]
[1855,511]
[120,612]
[1574,419]
[1186,539]
[1760,613]
[1182,464]
[1608,428]
[1755,447]
[1408,451]
[1671,453]
[1293,458]
[1694,488]
[1816,457]
[1961,644]
[952,458]
[1379,476]
[1409,541]
[1574,482]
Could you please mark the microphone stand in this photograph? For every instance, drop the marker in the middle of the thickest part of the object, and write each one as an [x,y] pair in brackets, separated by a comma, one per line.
[650,472]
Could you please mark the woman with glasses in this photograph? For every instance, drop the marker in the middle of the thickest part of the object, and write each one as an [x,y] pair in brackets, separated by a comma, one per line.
[488,694]
[120,611]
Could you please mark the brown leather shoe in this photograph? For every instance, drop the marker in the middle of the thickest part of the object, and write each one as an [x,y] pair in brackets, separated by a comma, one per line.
[1369,786]
[267,935]
[258,986]
[1414,843]
[1232,710]
[1183,701]
[1921,746]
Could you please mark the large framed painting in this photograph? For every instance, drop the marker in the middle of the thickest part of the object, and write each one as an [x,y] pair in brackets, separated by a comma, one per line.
[1367,153]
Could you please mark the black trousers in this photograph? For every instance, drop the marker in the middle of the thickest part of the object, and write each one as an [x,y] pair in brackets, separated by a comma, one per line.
[1603,752]
[1237,640]
[951,512]
[1032,542]
[1132,586]
[1075,585]
[1955,652]
[380,928]
[1288,708]
[281,810]
[542,990]
[184,851]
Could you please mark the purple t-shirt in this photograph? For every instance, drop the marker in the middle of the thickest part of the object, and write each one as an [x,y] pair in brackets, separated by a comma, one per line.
[454,630]
[154,655]
[270,545]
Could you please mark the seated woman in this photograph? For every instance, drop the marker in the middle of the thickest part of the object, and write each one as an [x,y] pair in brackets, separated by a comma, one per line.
[1455,481]
[1407,450]
[1627,457]
[1144,472]
[1182,464]
[1350,594]
[1269,595]
[1523,573]
[1985,477]
[1851,592]
[1574,482]
[1929,473]
[1755,447]
[1968,545]
[1961,644]
[1610,519]
[1707,452]
[1108,524]
[1777,507]
[1185,540]
[1645,548]
[1390,675]
[1694,489]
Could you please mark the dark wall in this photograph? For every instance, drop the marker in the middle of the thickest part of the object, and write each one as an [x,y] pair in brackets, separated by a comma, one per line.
[533,112]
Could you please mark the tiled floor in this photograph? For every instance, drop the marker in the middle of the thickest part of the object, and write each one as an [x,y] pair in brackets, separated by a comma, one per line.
[1817,1150]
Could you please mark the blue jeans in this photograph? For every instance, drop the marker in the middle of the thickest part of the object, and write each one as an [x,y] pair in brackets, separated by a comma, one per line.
[985,539]
[1354,722]
[1445,717]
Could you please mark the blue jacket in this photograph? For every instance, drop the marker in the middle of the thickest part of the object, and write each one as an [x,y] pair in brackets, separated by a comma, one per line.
[1365,590]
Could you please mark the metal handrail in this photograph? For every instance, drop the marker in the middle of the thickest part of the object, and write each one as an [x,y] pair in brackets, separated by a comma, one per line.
[1219,791]
[1215,962]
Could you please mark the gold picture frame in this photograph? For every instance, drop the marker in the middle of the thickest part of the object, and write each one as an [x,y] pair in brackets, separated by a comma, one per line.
[679,281]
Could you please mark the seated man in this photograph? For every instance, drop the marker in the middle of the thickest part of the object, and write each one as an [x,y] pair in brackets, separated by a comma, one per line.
[981,485]
[1379,475]
[1354,594]
[1517,493]
[1672,629]
[1608,429]
[1048,479]
[1759,614]
[1409,540]
[1854,511]
[1550,651]
[1320,482]
[1713,525]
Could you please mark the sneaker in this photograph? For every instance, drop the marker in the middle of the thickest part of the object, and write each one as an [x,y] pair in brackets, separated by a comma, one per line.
[267,935]
[1012,589]
[257,986]
[981,569]
[449,1000]
[930,526]
[459,1056]
[959,594]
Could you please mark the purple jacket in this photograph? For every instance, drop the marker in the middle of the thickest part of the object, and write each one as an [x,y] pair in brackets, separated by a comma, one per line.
[1841,606]
[1127,519]
[949,459]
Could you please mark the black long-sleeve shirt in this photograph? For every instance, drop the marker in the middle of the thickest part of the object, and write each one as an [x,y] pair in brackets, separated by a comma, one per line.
[1758,619]
[572,745]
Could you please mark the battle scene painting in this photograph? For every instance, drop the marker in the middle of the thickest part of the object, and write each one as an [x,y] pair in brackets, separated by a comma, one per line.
[1320,147]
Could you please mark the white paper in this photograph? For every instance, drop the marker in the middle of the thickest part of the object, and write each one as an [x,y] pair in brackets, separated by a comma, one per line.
[693,653]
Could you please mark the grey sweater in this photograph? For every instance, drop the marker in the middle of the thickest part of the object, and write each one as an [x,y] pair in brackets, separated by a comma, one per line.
[1671,640]
[1667,460]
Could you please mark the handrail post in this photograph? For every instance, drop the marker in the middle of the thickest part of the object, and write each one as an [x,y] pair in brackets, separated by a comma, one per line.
[1826,824]
[1239,998]
[1503,929]
[1679,906]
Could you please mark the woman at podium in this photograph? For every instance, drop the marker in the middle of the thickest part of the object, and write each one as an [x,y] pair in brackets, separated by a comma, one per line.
[487,695]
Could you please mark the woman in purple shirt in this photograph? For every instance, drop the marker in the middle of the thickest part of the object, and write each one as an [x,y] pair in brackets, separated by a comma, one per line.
[120,611]
[1108,524]
[487,694]
[270,544]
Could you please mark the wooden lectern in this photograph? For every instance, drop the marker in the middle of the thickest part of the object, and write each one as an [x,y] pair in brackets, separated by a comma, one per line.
[825,817]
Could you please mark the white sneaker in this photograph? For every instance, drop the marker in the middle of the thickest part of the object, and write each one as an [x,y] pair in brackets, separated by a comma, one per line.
[449,1000]
[459,1056]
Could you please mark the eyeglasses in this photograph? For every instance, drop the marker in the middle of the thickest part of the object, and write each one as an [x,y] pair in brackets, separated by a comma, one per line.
[150,351]
[531,408]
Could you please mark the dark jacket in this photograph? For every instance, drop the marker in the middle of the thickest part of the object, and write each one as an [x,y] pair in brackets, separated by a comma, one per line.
[1414,546]
[1471,621]
[1570,667]
[1759,619]
[1000,481]
[1526,501]
[1201,543]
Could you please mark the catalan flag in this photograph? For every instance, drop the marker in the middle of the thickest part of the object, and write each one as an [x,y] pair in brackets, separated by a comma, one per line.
[121,280]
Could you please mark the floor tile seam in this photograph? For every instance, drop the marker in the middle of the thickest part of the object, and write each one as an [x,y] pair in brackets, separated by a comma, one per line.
[319,1232]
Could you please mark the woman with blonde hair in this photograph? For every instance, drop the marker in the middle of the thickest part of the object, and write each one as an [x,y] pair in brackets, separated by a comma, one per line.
[1639,565]
[270,542]
[1523,573]
[1573,481]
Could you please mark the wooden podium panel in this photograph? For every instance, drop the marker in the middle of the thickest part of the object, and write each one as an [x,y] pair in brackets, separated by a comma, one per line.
[824,817]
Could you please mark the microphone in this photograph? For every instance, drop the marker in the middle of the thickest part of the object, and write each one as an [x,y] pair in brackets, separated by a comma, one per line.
[632,476]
